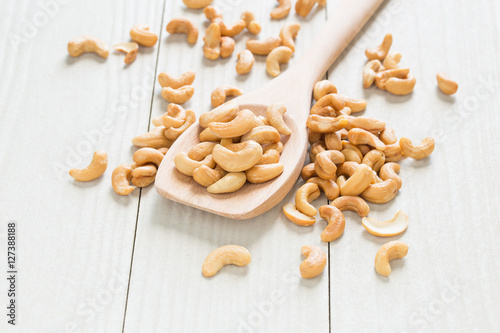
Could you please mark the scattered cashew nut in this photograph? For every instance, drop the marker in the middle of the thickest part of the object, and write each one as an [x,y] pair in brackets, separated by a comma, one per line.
[288,34]
[131,49]
[305,194]
[336,223]
[389,228]
[388,252]
[183,26]
[225,255]
[78,46]
[176,82]
[297,217]
[380,52]
[275,58]
[282,10]
[447,85]
[140,34]
[94,170]
[120,179]
[220,94]
[245,62]
[315,261]
[424,149]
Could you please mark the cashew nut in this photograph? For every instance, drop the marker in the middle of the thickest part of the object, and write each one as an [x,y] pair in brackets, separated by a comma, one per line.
[322,124]
[206,176]
[224,255]
[131,50]
[336,223]
[392,60]
[282,10]
[333,141]
[148,170]
[269,157]
[325,163]
[208,135]
[241,124]
[251,24]
[305,194]
[278,56]
[94,170]
[143,181]
[211,13]
[196,4]
[175,116]
[220,94]
[297,217]
[356,105]
[304,7]
[263,47]
[382,192]
[147,155]
[383,76]
[389,171]
[364,149]
[211,48]
[387,136]
[341,181]
[178,96]
[245,62]
[315,261]
[380,52]
[389,228]
[388,252]
[358,182]
[370,71]
[358,136]
[230,31]
[275,117]
[78,46]
[153,139]
[231,182]
[264,172]
[375,159]
[329,187]
[141,35]
[238,156]
[368,124]
[288,34]
[183,26]
[447,85]
[278,146]
[173,133]
[262,134]
[226,46]
[316,148]
[201,150]
[347,168]
[351,155]
[308,171]
[224,113]
[185,79]
[333,100]
[398,86]
[314,137]
[323,88]
[120,179]
[393,153]
[355,204]
[186,165]
[424,149]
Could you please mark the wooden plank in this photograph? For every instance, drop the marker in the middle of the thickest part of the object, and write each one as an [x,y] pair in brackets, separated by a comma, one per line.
[75,239]
[167,291]
[448,280]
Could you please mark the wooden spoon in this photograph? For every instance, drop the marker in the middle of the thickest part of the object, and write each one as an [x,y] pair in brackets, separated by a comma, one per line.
[292,88]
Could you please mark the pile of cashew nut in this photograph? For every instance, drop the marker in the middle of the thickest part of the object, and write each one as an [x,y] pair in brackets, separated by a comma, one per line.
[235,146]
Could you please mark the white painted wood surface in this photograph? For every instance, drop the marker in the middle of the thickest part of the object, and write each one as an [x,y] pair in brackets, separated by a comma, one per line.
[81,245]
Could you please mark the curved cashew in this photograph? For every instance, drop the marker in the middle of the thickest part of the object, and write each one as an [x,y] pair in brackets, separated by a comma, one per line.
[201,150]
[282,10]
[148,170]
[325,163]
[387,136]
[185,79]
[206,176]
[304,7]
[358,136]
[131,49]
[370,70]
[355,204]
[392,60]
[358,182]
[264,172]
[347,168]
[305,194]
[383,76]
[356,105]
[323,88]
[322,124]
[297,217]
[175,116]
[275,117]
[329,187]
[186,165]
[380,52]
[224,113]
[314,137]
[238,156]
[424,149]
[178,96]
[262,134]
[94,170]
[399,86]
[278,56]
[336,223]
[333,141]
[225,255]
[173,133]
[220,94]
[231,182]
[341,181]
[375,159]
[447,85]
[332,100]
[208,135]
[226,46]
[316,148]
[269,157]
[120,179]
[245,62]
[382,192]
[230,31]
[211,48]
[388,252]
[327,111]
[196,4]
[263,47]
[80,45]
[288,34]
[350,146]
[315,261]
[252,25]
[241,124]
[389,171]
[389,228]
[368,124]
[141,35]
[143,181]
[351,155]
[393,153]
[278,146]
[153,139]
[308,171]
[147,155]
[211,13]
[183,26]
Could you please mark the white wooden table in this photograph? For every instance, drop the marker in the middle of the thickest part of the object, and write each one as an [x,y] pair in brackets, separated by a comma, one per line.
[92,261]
